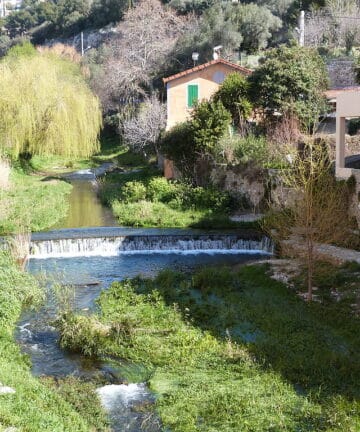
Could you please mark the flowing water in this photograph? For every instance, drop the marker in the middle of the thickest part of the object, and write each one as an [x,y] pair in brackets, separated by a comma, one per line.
[90,260]
[85,208]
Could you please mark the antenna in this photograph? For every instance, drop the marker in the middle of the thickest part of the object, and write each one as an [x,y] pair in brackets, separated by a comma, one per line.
[195,57]
[216,52]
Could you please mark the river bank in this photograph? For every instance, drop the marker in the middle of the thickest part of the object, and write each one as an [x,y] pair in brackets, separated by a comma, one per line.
[34,405]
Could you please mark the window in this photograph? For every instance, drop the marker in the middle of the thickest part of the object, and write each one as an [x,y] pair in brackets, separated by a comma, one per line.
[219,77]
[193,95]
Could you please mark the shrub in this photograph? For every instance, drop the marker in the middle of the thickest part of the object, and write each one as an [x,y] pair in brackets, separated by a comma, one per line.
[133,191]
[160,189]
[354,126]
[233,93]
[252,148]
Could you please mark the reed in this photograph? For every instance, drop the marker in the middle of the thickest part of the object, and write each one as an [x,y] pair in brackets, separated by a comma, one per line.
[19,247]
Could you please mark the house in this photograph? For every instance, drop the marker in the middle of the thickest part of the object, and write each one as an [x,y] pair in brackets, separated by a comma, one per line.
[197,83]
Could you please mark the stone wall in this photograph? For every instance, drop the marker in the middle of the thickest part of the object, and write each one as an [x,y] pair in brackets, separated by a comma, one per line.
[257,188]
[341,73]
[246,182]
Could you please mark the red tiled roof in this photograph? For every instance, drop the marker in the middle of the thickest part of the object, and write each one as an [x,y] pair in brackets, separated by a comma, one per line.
[242,69]
[333,93]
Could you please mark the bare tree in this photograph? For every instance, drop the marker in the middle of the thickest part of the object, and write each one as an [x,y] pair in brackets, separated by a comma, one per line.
[318,211]
[142,132]
[334,26]
[145,38]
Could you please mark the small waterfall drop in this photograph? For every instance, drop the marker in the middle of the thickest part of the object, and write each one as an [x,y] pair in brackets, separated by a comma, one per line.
[135,244]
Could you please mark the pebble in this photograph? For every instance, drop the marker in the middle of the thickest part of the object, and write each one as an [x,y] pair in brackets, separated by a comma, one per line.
[6,390]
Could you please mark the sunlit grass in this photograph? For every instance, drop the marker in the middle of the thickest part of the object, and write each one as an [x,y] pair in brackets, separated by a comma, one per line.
[231,351]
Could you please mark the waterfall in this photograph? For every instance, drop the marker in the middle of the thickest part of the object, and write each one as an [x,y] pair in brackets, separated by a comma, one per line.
[135,244]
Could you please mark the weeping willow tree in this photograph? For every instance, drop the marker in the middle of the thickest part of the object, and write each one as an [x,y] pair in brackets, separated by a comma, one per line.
[46,107]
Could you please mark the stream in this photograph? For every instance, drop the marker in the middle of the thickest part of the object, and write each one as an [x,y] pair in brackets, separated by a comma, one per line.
[89,260]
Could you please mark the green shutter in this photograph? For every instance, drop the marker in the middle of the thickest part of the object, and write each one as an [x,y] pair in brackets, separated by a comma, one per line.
[193,94]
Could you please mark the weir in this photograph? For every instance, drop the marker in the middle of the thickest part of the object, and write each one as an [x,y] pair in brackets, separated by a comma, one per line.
[119,241]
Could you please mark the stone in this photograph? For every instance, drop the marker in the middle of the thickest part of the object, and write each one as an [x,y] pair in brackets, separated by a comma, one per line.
[6,390]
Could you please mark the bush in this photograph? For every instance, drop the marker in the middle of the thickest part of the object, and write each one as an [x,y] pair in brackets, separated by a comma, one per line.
[252,148]
[160,189]
[133,191]
[354,126]
[233,93]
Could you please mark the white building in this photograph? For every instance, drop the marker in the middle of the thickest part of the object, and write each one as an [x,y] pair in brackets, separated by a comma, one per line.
[7,6]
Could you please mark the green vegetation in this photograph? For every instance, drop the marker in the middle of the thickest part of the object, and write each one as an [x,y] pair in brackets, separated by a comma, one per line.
[46,106]
[192,144]
[144,199]
[33,407]
[33,203]
[291,80]
[233,94]
[232,350]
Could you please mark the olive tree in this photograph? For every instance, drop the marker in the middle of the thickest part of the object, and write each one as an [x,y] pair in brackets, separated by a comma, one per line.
[46,107]
[291,79]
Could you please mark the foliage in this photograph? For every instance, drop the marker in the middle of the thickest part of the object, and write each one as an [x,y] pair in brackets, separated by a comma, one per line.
[34,203]
[210,121]
[236,26]
[46,106]
[219,340]
[233,94]
[334,26]
[133,191]
[307,219]
[178,145]
[256,24]
[253,148]
[291,79]
[193,144]
[63,17]
[154,201]
[354,126]
[82,397]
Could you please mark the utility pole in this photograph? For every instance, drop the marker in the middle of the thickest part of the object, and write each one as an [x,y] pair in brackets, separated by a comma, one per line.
[82,43]
[302,29]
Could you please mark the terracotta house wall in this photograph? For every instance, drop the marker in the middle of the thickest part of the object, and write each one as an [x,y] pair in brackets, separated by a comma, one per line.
[177,91]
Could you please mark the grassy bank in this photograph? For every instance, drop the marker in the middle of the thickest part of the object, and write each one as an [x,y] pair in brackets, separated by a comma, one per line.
[146,199]
[32,202]
[35,406]
[232,351]
[112,150]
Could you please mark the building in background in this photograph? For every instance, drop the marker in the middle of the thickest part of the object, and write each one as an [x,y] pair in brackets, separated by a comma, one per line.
[196,84]
[7,6]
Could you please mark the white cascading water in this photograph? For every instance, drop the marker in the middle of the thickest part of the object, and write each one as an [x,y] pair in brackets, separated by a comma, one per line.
[113,246]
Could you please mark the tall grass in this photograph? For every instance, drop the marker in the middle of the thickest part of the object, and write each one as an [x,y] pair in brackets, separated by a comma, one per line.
[19,246]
